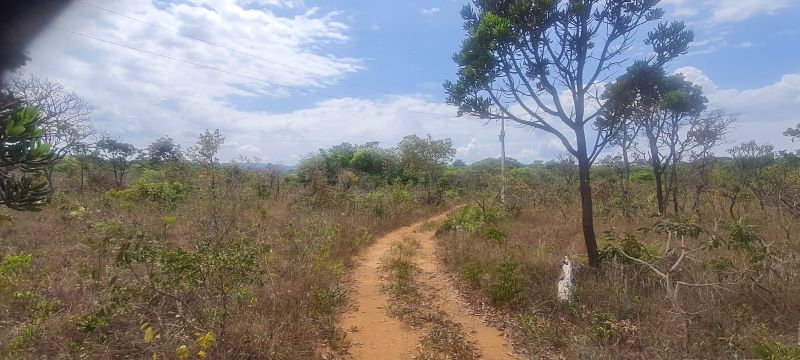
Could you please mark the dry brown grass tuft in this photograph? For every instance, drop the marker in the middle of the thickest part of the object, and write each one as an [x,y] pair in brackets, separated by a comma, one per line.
[272,286]
[623,312]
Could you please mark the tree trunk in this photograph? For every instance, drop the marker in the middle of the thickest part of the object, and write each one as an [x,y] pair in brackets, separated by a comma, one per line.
[278,186]
[673,182]
[626,177]
[83,177]
[587,212]
[503,161]
[698,193]
[655,162]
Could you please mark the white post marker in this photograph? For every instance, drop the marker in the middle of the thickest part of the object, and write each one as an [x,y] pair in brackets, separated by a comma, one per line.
[565,281]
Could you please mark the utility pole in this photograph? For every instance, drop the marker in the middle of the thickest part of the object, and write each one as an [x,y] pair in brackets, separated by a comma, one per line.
[503,161]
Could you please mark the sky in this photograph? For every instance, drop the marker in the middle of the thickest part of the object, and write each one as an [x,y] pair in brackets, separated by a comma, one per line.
[283,78]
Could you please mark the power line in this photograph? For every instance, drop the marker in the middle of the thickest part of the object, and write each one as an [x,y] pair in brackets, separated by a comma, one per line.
[207,42]
[241,75]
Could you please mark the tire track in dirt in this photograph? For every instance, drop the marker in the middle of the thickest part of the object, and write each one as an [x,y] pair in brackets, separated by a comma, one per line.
[375,335]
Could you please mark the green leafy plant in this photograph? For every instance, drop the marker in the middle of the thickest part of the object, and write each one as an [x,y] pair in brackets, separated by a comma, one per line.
[471,218]
[495,235]
[471,272]
[25,160]
[13,264]
[774,350]
[504,285]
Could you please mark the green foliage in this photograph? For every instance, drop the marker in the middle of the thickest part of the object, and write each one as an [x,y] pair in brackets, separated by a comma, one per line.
[472,272]
[793,133]
[13,264]
[495,235]
[91,322]
[678,226]
[372,160]
[163,151]
[204,342]
[385,201]
[379,165]
[117,155]
[504,285]
[745,237]
[211,270]
[615,247]
[720,265]
[425,158]
[154,188]
[325,300]
[601,324]
[21,340]
[402,272]
[25,160]
[644,176]
[774,350]
[207,147]
[472,218]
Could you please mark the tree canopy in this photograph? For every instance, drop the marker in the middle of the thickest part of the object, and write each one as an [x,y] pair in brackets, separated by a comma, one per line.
[546,58]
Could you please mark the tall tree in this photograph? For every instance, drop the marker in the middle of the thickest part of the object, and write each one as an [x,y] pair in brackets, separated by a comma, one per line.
[116,155]
[751,162]
[547,58]
[621,104]
[205,153]
[706,133]
[25,160]
[793,133]
[425,159]
[665,109]
[163,151]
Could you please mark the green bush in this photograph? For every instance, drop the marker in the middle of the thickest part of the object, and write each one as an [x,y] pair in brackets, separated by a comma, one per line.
[601,326]
[642,176]
[505,283]
[628,245]
[773,350]
[495,235]
[12,264]
[152,187]
[471,218]
[471,272]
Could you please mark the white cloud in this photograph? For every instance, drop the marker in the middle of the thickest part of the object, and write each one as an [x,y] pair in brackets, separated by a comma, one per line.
[141,97]
[431,11]
[724,11]
[765,112]
[469,149]
[738,10]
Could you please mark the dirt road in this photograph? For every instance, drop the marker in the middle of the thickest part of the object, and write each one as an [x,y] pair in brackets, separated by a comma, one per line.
[376,335]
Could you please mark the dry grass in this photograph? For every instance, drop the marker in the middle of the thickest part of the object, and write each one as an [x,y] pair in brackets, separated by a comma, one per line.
[76,299]
[623,311]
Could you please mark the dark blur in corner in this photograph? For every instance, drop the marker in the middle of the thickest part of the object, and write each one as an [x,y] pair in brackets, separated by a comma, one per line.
[20,22]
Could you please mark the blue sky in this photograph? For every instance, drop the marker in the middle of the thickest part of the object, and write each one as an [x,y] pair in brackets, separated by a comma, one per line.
[745,56]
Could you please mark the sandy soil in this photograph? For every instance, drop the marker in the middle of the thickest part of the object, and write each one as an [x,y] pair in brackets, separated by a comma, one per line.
[376,335]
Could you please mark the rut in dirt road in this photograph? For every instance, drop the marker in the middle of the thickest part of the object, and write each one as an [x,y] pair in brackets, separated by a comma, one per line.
[374,334]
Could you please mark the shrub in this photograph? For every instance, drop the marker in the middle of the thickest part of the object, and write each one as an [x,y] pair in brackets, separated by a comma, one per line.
[471,272]
[628,245]
[495,235]
[601,325]
[505,283]
[14,263]
[472,218]
[774,350]
[152,187]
